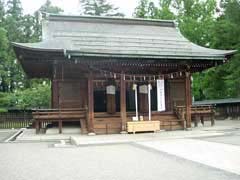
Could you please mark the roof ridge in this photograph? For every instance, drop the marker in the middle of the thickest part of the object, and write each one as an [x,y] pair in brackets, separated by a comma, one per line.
[109,19]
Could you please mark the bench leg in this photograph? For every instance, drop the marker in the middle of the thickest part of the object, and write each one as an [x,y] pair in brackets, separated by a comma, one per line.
[60,127]
[212,121]
[37,127]
[202,120]
[196,122]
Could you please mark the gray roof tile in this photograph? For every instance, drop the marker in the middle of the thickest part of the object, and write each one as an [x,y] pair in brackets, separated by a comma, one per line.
[120,37]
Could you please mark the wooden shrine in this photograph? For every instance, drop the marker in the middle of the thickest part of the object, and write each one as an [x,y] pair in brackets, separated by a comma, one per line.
[108,71]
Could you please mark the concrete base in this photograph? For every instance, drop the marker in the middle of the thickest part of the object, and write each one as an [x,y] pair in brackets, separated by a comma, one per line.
[91,134]
[123,132]
[65,130]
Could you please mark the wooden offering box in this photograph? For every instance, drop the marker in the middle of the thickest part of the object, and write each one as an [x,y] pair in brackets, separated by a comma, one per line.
[143,126]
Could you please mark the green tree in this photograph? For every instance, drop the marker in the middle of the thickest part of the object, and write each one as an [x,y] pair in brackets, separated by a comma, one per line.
[15,89]
[13,25]
[99,8]
[4,46]
[15,9]
[49,8]
[2,12]
[37,96]
[227,36]
[148,9]
[196,20]
[142,10]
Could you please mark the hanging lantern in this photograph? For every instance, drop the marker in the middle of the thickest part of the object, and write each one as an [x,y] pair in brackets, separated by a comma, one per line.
[134,87]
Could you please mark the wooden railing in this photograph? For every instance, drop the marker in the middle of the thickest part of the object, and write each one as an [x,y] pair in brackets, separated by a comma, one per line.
[199,111]
[59,115]
[20,119]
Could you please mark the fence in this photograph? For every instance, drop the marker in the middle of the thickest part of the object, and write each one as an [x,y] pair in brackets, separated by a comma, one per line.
[15,119]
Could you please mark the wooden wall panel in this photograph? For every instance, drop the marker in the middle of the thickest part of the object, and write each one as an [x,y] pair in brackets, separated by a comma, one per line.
[72,94]
[176,93]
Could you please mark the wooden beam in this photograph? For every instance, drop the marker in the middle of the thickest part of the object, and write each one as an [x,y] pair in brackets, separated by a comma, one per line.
[123,102]
[90,104]
[188,99]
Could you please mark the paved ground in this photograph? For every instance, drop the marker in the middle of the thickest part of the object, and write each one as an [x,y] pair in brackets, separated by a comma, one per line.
[232,137]
[40,161]
[218,155]
[204,153]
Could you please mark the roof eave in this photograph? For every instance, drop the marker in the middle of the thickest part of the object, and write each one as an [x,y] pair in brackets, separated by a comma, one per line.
[144,56]
[20,45]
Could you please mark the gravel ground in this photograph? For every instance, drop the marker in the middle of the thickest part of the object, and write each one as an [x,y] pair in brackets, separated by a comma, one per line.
[40,161]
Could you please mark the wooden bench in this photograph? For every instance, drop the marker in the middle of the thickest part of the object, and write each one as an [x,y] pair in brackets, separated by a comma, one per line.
[199,111]
[143,126]
[59,115]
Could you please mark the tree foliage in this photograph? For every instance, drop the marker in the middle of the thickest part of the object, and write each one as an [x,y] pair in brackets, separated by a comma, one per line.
[148,9]
[99,8]
[15,89]
[34,97]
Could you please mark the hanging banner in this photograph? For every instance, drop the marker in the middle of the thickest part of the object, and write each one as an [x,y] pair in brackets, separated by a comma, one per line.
[161,95]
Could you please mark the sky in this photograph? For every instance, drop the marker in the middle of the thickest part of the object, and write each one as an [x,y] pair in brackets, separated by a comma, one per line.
[72,6]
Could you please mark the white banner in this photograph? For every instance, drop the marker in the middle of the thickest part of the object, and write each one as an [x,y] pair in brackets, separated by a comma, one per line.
[161,95]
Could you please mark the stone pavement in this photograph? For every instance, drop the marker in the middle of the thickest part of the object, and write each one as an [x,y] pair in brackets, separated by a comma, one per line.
[40,161]
[194,155]
[217,155]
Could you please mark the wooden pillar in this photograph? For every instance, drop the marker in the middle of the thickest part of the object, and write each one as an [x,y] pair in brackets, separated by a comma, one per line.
[55,86]
[123,102]
[167,97]
[90,118]
[188,99]
[55,94]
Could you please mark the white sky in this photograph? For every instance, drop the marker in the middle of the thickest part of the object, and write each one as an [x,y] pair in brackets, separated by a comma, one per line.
[72,6]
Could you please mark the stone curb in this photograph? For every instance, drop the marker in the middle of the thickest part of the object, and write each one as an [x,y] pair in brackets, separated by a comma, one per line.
[19,132]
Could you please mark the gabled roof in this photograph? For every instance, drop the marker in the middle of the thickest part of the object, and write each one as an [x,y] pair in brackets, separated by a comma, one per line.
[119,37]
